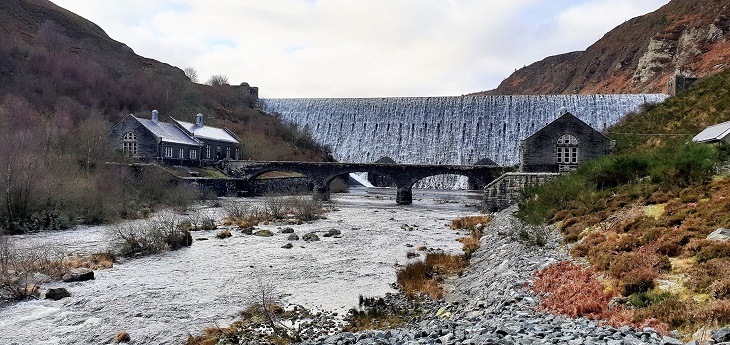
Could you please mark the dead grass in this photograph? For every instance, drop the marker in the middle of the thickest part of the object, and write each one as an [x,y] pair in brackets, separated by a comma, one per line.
[427,277]
[470,222]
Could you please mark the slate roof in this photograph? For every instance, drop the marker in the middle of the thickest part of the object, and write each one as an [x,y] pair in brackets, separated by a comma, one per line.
[207,132]
[169,132]
[713,133]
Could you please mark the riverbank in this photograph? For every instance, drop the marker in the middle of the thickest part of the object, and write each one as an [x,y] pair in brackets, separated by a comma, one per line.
[492,304]
[160,299]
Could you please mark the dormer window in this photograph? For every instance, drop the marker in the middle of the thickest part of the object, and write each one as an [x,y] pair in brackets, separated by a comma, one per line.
[567,150]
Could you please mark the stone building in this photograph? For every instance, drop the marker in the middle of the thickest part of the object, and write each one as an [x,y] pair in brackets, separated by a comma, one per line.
[562,145]
[176,142]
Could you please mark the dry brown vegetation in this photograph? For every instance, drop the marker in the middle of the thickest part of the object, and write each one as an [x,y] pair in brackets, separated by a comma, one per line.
[427,277]
[640,217]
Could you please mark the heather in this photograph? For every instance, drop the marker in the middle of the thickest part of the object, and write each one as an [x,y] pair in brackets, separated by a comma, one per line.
[640,219]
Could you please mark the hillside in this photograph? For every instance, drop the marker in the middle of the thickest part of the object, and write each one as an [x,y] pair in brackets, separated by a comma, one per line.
[51,57]
[63,83]
[639,56]
[641,217]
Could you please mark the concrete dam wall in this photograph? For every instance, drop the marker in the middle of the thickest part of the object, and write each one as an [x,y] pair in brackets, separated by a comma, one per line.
[443,130]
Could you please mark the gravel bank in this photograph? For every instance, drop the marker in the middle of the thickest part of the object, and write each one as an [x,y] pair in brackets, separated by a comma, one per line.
[490,304]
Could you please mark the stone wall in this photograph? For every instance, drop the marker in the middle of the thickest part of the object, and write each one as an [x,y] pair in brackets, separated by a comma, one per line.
[507,189]
[241,187]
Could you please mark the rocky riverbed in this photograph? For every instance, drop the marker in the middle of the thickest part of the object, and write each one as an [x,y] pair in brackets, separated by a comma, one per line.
[492,304]
[160,299]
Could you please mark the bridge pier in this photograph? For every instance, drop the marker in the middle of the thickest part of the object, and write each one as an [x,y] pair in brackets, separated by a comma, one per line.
[404,196]
[321,192]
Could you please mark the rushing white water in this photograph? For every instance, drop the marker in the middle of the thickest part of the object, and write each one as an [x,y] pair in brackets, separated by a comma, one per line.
[443,130]
[159,299]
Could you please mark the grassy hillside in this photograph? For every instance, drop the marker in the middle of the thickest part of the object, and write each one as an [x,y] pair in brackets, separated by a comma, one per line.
[640,217]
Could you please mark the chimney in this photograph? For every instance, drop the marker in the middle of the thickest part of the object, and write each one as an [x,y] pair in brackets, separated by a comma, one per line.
[199,120]
[155,116]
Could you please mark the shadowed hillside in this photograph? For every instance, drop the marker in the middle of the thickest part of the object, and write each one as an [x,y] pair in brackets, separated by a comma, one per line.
[63,83]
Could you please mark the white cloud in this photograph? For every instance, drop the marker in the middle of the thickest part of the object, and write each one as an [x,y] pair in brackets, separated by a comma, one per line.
[358,48]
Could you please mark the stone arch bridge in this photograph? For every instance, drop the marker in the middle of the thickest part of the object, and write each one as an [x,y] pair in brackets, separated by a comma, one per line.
[403,175]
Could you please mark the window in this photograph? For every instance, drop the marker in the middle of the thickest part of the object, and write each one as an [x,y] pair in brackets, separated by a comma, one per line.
[567,150]
[207,151]
[237,154]
[129,143]
[193,154]
[168,151]
[181,153]
[228,152]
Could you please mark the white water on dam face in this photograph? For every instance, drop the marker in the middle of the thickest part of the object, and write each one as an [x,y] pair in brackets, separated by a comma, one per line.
[443,130]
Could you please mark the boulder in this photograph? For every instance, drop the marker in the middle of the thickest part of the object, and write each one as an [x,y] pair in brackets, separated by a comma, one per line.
[78,275]
[310,237]
[288,246]
[287,230]
[293,237]
[332,232]
[248,230]
[722,335]
[720,234]
[56,294]
[263,233]
[32,290]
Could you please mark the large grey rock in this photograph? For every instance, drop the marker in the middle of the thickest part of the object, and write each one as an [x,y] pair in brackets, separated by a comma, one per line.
[310,237]
[722,335]
[287,230]
[293,237]
[671,341]
[56,294]
[332,232]
[78,275]
[720,234]
[263,233]
[288,246]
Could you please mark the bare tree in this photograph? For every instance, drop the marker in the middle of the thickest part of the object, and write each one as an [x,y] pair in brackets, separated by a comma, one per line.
[192,74]
[217,80]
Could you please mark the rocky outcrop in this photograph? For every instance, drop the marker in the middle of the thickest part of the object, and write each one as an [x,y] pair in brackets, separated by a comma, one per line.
[685,37]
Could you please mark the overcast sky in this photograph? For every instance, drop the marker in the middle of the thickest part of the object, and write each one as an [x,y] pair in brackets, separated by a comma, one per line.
[358,48]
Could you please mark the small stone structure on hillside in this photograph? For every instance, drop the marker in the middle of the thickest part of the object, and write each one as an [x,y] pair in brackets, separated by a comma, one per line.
[558,147]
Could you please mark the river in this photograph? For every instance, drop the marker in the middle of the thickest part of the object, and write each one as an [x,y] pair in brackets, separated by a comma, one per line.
[160,299]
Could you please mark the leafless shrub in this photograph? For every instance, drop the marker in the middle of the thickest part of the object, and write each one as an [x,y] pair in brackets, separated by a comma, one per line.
[152,236]
[276,207]
[264,302]
[307,208]
[217,80]
[236,209]
[201,220]
[22,270]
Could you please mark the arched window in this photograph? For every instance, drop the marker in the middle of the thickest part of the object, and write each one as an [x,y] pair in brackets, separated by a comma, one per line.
[567,150]
[129,143]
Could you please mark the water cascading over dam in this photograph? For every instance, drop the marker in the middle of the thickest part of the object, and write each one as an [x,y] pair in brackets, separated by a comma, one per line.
[443,130]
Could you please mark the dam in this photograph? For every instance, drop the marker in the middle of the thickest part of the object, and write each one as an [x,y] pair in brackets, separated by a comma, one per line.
[460,130]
